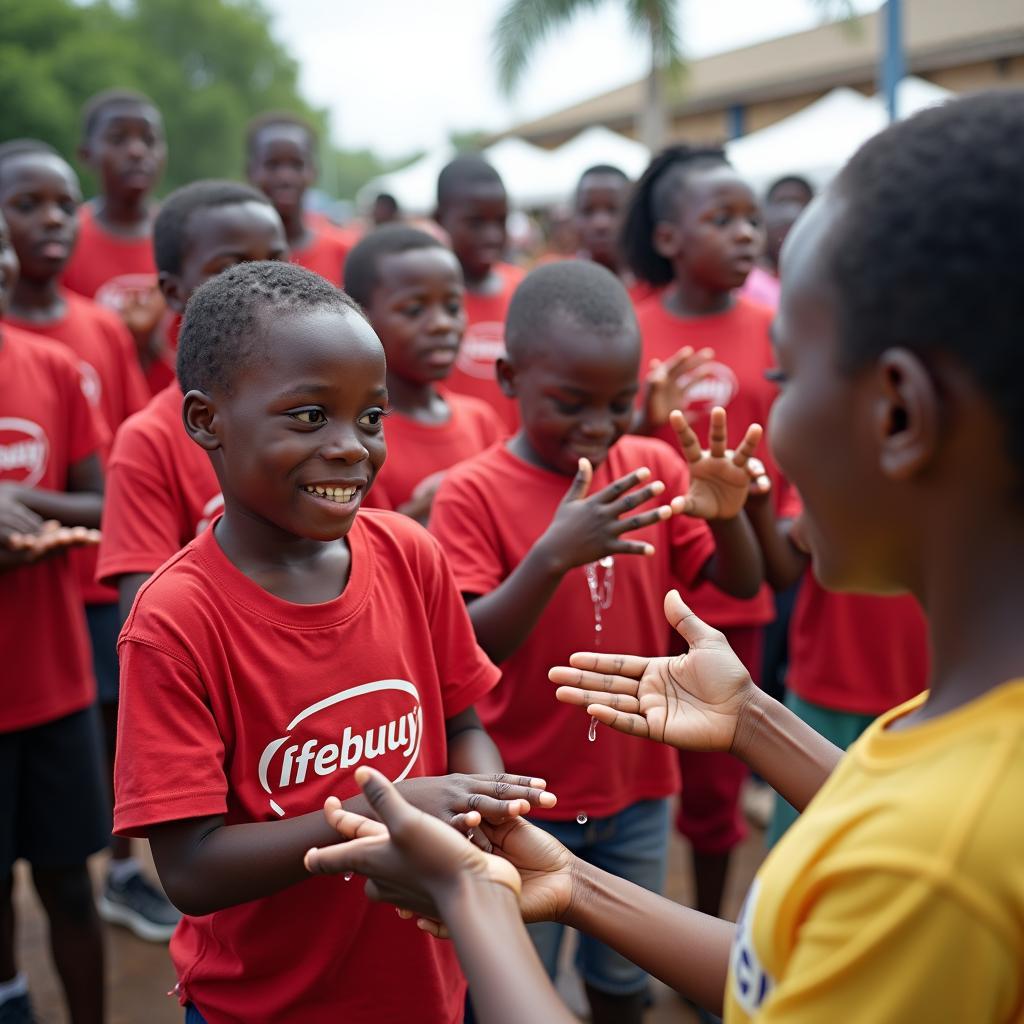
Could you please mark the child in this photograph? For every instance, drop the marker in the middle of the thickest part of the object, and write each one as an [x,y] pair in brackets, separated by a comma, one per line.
[410,287]
[266,696]
[785,200]
[536,530]
[693,230]
[53,806]
[123,145]
[472,207]
[281,161]
[899,894]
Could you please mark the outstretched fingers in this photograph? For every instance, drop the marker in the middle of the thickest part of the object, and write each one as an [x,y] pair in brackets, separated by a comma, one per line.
[587,698]
[688,439]
[626,722]
[746,448]
[601,682]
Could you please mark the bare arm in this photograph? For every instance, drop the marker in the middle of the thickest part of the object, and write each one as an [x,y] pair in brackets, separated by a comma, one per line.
[127,587]
[80,505]
[735,567]
[784,563]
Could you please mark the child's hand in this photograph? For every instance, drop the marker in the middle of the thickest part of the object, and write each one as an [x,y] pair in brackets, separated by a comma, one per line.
[760,483]
[719,478]
[668,385]
[16,519]
[141,310]
[494,798]
[410,857]
[692,701]
[586,529]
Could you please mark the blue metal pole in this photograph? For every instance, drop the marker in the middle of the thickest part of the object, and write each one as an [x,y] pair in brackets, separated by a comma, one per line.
[893,60]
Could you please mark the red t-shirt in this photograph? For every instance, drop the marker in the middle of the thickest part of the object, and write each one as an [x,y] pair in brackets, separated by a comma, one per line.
[854,652]
[161,490]
[418,450]
[326,253]
[46,426]
[113,382]
[488,513]
[99,257]
[235,702]
[483,343]
[742,354]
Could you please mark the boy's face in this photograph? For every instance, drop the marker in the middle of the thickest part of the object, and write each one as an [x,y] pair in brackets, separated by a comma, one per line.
[416,310]
[304,419]
[822,425]
[39,197]
[475,222]
[127,149]
[781,210]
[576,391]
[8,267]
[600,200]
[717,236]
[220,237]
[282,167]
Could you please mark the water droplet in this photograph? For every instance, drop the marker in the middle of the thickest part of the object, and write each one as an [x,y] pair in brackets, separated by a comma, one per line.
[470,834]
[592,733]
[581,818]
[597,627]
[607,562]
[348,876]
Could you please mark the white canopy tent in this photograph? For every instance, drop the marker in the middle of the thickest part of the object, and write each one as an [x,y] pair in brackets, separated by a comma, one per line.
[819,139]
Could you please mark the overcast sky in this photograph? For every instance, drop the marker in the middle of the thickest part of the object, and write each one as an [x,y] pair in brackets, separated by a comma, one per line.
[398,75]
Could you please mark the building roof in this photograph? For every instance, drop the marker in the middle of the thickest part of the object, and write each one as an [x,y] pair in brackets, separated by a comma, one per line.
[937,34]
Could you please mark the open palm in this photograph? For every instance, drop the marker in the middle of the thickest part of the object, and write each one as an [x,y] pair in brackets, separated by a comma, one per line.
[692,701]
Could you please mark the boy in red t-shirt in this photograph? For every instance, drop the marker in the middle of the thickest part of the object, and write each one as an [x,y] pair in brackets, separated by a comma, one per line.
[53,804]
[266,697]
[410,286]
[472,207]
[693,230]
[536,530]
[123,145]
[852,657]
[281,161]
[161,490]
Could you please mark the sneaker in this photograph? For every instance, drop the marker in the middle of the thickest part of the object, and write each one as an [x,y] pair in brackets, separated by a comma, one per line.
[17,1010]
[139,906]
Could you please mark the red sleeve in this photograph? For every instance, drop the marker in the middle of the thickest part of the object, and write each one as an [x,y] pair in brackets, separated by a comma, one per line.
[466,531]
[170,754]
[490,427]
[134,391]
[466,673]
[692,541]
[140,528]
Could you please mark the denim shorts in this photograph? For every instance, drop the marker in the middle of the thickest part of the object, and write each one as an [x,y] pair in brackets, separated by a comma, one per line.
[632,844]
[193,1016]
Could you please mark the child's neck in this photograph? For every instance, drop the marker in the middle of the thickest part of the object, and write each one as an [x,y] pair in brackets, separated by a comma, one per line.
[686,297]
[123,214]
[488,283]
[37,301]
[289,567]
[296,231]
[420,401]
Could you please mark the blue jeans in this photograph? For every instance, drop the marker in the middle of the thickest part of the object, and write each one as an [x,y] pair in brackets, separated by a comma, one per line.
[632,844]
[193,1016]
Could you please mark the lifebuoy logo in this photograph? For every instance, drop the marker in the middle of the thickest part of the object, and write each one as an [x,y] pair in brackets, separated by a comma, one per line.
[482,345]
[210,509]
[379,723]
[751,983]
[716,384]
[24,450]
[92,387]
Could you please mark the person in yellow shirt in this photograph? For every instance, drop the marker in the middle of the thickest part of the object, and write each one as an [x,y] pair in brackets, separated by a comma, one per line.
[898,896]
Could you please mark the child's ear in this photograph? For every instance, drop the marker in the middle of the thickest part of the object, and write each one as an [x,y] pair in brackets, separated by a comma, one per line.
[173,291]
[84,153]
[666,240]
[505,371]
[199,411]
[907,414]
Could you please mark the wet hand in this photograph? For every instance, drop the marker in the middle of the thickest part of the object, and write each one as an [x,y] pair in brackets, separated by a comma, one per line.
[719,478]
[692,701]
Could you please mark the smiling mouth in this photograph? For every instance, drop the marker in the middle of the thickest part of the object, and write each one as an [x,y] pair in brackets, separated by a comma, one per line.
[339,495]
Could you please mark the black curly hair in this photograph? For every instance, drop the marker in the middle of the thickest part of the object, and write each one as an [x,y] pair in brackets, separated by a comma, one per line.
[362,265]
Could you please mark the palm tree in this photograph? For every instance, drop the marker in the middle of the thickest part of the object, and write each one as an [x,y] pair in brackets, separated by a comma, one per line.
[524,24]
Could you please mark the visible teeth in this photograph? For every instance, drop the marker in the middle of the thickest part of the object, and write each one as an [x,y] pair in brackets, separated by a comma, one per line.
[338,494]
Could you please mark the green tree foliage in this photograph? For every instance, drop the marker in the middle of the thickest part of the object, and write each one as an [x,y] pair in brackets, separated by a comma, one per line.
[209,65]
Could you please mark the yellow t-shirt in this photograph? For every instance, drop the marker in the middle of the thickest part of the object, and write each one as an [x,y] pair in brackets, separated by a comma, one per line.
[898,896]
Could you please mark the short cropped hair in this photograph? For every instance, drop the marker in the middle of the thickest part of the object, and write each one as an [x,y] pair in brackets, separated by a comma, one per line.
[362,265]
[925,254]
[790,179]
[656,198]
[273,119]
[25,147]
[580,291]
[224,319]
[96,105]
[462,173]
[170,232]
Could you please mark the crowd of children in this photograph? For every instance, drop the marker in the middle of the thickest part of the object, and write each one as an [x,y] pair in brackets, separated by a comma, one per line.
[224,425]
